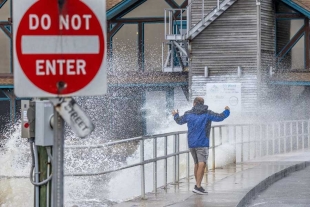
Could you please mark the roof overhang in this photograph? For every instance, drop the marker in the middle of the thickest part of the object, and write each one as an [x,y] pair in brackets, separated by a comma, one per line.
[297,5]
[117,9]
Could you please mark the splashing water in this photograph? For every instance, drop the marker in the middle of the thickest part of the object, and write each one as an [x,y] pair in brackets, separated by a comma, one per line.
[103,190]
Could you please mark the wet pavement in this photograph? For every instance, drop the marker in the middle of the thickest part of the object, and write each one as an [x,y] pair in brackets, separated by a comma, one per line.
[233,185]
[292,190]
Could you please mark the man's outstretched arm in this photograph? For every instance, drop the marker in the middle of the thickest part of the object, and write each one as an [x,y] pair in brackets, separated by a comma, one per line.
[178,119]
[219,117]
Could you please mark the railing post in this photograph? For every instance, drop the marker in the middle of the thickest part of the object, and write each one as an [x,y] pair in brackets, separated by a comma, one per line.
[249,150]
[297,136]
[187,165]
[187,20]
[213,150]
[142,168]
[267,138]
[285,137]
[174,159]
[260,140]
[165,24]
[155,164]
[165,163]
[308,133]
[303,135]
[279,138]
[218,5]
[255,127]
[177,166]
[221,136]
[273,138]
[241,158]
[291,129]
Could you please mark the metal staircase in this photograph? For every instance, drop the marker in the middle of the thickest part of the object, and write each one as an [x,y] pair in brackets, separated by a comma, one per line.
[183,25]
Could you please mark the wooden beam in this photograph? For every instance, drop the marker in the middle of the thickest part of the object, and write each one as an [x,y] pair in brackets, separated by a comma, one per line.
[293,41]
[184,5]
[6,75]
[5,23]
[135,20]
[172,4]
[6,31]
[289,16]
[307,44]
[144,20]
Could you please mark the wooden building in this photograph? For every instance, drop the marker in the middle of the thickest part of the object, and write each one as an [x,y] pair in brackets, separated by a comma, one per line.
[263,45]
[165,51]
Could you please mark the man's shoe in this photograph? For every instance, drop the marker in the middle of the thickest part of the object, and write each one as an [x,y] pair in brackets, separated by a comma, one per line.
[200,190]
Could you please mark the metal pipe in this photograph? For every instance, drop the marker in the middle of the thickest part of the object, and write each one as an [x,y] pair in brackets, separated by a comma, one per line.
[308,133]
[177,158]
[221,137]
[36,172]
[187,20]
[285,137]
[48,171]
[297,136]
[260,140]
[291,136]
[303,135]
[155,165]
[58,161]
[142,169]
[241,137]
[174,160]
[213,150]
[165,163]
[165,24]
[187,166]
[255,147]
[273,138]
[249,149]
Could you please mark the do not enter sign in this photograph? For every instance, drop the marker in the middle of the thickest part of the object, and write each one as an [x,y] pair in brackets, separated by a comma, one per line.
[59,51]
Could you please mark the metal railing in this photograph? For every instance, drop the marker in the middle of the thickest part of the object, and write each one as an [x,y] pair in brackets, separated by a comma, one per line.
[202,8]
[175,24]
[249,141]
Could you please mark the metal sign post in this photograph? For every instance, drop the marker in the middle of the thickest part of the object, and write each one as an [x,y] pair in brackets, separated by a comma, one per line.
[60,51]
[58,161]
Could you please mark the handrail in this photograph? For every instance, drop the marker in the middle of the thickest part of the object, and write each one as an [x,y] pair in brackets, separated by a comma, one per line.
[261,139]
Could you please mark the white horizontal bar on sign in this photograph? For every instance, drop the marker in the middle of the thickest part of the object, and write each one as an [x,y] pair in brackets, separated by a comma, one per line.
[55,44]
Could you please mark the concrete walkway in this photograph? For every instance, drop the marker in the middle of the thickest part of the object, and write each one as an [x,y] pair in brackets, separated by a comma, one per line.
[292,190]
[234,185]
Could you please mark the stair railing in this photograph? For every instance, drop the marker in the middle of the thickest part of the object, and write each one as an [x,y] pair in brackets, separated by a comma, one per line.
[204,12]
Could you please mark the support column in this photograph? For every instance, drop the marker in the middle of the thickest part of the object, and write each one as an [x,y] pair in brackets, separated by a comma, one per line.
[307,44]
[141,46]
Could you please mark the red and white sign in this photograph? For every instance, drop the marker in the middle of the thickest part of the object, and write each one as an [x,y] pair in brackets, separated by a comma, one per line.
[59,52]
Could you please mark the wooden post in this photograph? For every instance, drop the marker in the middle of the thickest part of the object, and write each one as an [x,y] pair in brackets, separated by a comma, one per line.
[43,163]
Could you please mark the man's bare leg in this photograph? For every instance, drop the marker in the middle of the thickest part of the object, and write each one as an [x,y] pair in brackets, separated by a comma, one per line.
[200,173]
[195,172]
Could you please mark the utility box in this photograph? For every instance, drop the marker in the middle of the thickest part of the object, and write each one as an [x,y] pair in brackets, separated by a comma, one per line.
[44,112]
[25,128]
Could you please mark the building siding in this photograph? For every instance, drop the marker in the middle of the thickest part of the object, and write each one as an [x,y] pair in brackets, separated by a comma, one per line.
[267,45]
[229,42]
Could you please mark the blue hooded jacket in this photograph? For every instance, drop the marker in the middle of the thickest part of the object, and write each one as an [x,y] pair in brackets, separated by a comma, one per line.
[198,121]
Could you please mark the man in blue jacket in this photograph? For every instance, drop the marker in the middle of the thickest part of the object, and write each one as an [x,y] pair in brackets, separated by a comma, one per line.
[198,121]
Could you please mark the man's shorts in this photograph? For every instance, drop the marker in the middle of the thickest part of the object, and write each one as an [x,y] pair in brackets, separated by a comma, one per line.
[200,154]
